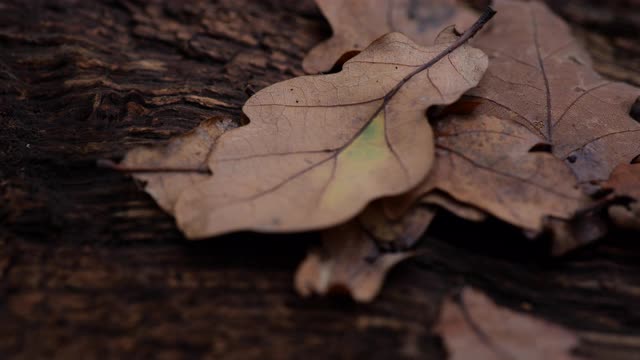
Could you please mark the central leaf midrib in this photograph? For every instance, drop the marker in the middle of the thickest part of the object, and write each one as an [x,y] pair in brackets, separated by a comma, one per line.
[387,98]
[547,90]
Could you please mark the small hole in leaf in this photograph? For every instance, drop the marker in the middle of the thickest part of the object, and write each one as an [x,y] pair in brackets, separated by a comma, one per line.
[541,147]
[635,110]
[572,158]
[297,101]
[396,68]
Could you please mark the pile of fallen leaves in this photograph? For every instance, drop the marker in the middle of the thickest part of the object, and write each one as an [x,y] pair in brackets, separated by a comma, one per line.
[519,128]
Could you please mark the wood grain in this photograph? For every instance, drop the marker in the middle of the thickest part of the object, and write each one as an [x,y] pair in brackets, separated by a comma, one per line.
[90,267]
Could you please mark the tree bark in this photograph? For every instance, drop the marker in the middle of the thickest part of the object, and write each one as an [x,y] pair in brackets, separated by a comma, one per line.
[91,268]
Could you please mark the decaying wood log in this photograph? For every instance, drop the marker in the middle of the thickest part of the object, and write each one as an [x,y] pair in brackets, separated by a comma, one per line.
[91,268]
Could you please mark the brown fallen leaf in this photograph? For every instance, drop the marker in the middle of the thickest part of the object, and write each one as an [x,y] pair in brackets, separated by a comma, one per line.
[485,161]
[474,327]
[541,124]
[356,23]
[350,259]
[625,182]
[541,79]
[319,148]
[183,159]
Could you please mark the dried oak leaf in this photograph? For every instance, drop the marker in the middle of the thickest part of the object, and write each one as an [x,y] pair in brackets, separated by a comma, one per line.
[474,327]
[625,182]
[178,165]
[542,79]
[319,148]
[356,23]
[350,259]
[485,161]
[542,122]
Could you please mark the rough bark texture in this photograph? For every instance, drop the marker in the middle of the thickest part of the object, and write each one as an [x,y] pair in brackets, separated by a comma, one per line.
[91,268]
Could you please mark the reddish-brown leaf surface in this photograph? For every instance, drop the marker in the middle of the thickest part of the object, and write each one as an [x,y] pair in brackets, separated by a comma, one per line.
[485,161]
[540,78]
[474,327]
[356,23]
[625,182]
[541,125]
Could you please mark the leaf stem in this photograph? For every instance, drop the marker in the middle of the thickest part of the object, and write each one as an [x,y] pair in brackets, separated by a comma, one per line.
[482,20]
[479,24]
